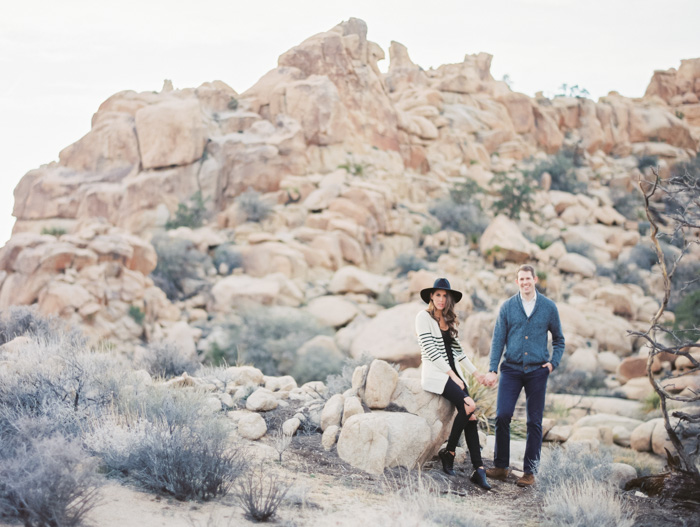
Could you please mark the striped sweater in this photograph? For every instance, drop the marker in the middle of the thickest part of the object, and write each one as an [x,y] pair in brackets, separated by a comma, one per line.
[434,356]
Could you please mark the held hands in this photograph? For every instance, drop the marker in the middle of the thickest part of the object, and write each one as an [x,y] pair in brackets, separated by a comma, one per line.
[489,379]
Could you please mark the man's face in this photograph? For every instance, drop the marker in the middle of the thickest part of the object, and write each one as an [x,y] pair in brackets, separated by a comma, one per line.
[526,283]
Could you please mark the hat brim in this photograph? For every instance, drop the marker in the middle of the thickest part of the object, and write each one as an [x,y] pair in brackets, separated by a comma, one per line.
[425,294]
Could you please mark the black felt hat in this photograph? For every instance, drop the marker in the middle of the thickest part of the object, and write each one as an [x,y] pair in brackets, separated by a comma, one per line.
[440,283]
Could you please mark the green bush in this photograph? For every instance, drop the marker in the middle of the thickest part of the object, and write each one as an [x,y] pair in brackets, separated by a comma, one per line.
[688,316]
[137,314]
[576,382]
[268,338]
[461,211]
[254,208]
[180,267]
[54,231]
[647,161]
[191,214]
[629,204]
[516,194]
[580,247]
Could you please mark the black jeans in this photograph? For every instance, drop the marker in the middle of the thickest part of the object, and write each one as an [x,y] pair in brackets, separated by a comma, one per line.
[456,395]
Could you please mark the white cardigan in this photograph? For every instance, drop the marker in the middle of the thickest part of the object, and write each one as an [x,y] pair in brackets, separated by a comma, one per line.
[434,357]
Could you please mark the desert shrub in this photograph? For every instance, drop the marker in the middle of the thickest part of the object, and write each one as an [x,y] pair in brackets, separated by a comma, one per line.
[439,515]
[254,208]
[622,273]
[18,321]
[561,168]
[47,481]
[409,262]
[516,193]
[260,493]
[685,282]
[580,247]
[54,231]
[690,169]
[584,504]
[190,214]
[566,379]
[170,442]
[227,258]
[688,316]
[137,314]
[629,204]
[647,161]
[180,267]
[268,338]
[340,382]
[467,218]
[461,211]
[68,387]
[561,467]
[166,359]
[543,242]
[315,364]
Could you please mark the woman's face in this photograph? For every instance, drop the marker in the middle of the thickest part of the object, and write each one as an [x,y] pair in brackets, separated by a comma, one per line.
[439,298]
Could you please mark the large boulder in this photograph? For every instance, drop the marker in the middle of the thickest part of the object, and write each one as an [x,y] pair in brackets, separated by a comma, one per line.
[332,311]
[350,279]
[379,385]
[363,442]
[640,439]
[503,240]
[390,336]
[170,133]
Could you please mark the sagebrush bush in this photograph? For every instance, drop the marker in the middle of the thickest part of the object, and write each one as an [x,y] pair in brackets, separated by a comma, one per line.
[47,481]
[465,218]
[227,258]
[253,206]
[407,262]
[170,442]
[629,204]
[341,382]
[571,464]
[622,273]
[180,267]
[583,504]
[268,338]
[315,364]
[166,359]
[17,321]
[260,493]
[580,247]
[561,168]
[572,381]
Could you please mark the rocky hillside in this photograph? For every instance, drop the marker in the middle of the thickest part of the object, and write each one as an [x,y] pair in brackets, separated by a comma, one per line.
[340,191]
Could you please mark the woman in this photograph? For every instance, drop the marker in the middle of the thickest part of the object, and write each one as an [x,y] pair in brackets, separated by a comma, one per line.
[440,348]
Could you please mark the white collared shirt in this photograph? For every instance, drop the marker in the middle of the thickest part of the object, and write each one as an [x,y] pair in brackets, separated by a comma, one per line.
[529,307]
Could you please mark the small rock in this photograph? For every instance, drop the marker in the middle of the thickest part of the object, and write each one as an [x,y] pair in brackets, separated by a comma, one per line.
[332,411]
[352,406]
[261,400]
[290,426]
[621,474]
[252,426]
[330,436]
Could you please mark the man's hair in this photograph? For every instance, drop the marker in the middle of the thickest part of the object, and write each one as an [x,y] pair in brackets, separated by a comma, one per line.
[528,269]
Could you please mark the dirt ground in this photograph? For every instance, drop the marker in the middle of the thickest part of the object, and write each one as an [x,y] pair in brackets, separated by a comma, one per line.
[324,490]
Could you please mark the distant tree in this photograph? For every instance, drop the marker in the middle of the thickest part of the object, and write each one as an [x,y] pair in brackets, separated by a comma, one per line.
[566,90]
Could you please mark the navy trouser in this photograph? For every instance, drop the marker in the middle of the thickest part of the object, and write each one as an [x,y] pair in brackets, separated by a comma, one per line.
[509,387]
[456,395]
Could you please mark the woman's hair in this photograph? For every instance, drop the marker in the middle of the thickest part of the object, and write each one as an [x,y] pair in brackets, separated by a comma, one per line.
[448,313]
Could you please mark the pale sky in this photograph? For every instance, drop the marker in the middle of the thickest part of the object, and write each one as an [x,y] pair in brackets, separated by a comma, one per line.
[60,59]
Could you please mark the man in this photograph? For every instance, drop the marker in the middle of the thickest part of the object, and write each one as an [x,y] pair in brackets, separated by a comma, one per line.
[522,326]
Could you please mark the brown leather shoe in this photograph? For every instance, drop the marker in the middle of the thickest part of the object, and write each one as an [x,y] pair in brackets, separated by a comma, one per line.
[497,473]
[527,480]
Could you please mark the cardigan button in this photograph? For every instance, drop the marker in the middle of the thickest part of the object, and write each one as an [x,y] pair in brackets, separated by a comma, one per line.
[525,337]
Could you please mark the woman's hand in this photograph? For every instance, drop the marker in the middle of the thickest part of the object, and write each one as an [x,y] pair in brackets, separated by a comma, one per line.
[456,380]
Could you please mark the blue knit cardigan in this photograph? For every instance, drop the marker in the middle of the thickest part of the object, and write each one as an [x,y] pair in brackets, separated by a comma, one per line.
[525,339]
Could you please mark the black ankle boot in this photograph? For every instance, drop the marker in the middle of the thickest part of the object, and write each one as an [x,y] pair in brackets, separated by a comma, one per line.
[479,477]
[448,461]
